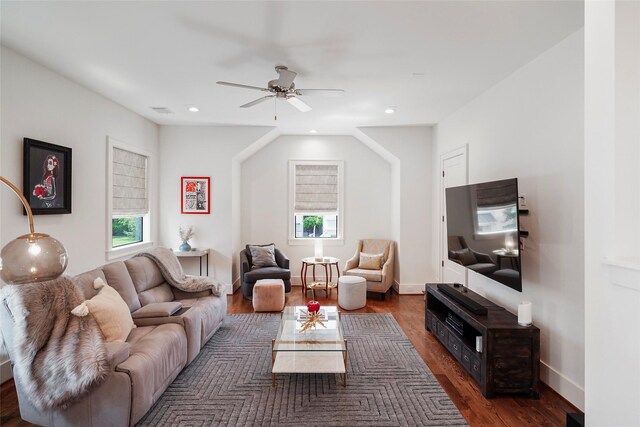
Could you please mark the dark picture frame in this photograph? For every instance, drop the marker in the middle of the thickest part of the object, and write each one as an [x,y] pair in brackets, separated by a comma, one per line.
[195,192]
[46,179]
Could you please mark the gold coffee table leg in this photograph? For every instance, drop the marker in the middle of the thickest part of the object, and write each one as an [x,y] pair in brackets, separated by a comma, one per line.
[345,363]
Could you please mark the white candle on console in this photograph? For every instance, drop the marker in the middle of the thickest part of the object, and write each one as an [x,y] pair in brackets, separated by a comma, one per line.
[524,313]
[318,249]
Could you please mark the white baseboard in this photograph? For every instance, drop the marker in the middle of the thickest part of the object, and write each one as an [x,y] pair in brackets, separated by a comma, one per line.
[236,285]
[562,385]
[5,371]
[408,288]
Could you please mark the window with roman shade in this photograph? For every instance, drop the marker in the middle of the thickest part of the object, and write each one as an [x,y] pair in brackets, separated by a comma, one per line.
[129,184]
[316,193]
[128,225]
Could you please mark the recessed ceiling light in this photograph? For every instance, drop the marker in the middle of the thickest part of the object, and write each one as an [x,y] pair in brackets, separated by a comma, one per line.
[194,109]
[313,131]
[390,110]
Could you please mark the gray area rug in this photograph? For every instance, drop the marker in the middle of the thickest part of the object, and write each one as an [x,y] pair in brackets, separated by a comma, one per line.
[229,383]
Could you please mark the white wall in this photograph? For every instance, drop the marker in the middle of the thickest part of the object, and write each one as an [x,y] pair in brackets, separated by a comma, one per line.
[40,104]
[265,189]
[411,148]
[530,126]
[204,151]
[612,201]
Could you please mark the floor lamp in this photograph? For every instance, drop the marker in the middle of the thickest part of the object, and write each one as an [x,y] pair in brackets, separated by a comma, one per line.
[33,257]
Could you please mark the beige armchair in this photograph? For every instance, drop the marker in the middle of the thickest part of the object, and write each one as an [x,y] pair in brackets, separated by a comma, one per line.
[378,280]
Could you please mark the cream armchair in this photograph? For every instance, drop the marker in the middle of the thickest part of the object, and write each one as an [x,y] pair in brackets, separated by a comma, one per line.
[378,280]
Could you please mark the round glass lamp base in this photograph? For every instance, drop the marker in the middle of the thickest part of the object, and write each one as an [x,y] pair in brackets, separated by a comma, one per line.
[32,258]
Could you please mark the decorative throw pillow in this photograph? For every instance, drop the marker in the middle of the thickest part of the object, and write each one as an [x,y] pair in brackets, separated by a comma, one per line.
[263,256]
[370,261]
[465,256]
[110,311]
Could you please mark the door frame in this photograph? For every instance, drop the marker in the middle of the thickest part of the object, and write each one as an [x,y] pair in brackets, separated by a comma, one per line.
[460,151]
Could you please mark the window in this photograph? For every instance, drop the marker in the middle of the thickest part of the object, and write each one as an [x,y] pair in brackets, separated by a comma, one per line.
[497,219]
[126,230]
[316,200]
[128,198]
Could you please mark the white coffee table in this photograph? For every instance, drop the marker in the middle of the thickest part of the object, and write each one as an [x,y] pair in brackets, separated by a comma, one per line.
[320,350]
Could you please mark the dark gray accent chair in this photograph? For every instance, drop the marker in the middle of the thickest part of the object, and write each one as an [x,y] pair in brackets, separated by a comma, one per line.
[249,276]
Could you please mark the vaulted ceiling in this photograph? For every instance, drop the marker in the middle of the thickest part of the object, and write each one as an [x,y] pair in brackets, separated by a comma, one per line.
[425,58]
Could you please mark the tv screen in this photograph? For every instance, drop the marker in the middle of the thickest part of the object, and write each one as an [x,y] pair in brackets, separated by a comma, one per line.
[483,230]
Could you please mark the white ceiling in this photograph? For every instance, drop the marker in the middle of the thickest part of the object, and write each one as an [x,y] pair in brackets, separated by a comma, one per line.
[170,54]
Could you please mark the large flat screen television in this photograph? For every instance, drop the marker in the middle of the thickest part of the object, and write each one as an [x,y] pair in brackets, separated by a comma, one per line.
[483,230]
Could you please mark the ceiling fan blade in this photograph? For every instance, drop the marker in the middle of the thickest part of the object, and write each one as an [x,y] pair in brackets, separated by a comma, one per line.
[257,101]
[321,92]
[298,104]
[243,86]
[286,78]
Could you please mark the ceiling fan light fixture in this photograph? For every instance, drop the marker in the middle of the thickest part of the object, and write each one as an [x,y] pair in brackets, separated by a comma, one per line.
[390,110]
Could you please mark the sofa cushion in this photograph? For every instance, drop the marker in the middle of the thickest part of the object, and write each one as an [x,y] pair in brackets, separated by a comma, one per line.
[370,261]
[267,273]
[158,354]
[370,275]
[158,294]
[118,278]
[263,256]
[483,267]
[110,311]
[145,274]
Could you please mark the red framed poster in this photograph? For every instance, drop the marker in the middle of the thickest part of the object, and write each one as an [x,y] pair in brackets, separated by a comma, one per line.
[194,195]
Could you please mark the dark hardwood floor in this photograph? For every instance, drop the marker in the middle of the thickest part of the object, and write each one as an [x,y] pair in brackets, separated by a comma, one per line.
[408,310]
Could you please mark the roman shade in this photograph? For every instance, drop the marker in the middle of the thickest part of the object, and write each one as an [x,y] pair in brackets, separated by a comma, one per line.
[129,183]
[316,188]
[494,194]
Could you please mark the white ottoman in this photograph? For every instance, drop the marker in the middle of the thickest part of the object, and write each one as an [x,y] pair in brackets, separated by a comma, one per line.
[352,292]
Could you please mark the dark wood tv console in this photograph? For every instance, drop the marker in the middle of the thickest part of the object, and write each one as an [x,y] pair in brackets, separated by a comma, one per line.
[510,358]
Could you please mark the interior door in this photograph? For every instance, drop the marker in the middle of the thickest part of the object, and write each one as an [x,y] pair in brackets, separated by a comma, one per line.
[453,173]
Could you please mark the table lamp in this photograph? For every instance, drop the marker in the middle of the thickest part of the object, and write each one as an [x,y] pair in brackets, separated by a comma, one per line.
[33,257]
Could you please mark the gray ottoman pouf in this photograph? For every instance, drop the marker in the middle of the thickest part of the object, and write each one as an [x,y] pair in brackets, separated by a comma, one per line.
[352,292]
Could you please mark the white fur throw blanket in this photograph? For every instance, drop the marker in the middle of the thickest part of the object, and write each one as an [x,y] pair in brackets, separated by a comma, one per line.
[57,357]
[173,273]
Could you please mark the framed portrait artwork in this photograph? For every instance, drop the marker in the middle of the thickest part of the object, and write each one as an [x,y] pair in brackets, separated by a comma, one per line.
[47,177]
[194,195]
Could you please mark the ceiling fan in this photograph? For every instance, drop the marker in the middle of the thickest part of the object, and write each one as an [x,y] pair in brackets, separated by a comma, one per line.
[284,88]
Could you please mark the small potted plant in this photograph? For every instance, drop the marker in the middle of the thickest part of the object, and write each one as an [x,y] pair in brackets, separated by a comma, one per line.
[185,235]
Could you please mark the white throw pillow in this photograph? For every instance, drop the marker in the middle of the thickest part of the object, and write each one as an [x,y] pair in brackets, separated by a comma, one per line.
[110,311]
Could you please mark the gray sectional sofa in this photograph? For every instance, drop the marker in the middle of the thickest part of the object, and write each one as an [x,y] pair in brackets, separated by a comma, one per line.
[152,357]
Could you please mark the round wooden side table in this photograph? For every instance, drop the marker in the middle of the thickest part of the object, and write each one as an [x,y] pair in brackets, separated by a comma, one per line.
[328,284]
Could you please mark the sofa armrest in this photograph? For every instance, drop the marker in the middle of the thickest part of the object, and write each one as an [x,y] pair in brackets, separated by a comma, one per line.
[353,262]
[281,259]
[245,265]
[157,309]
[117,352]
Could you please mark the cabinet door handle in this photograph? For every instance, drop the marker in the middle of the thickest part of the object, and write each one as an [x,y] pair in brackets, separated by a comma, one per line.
[466,357]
